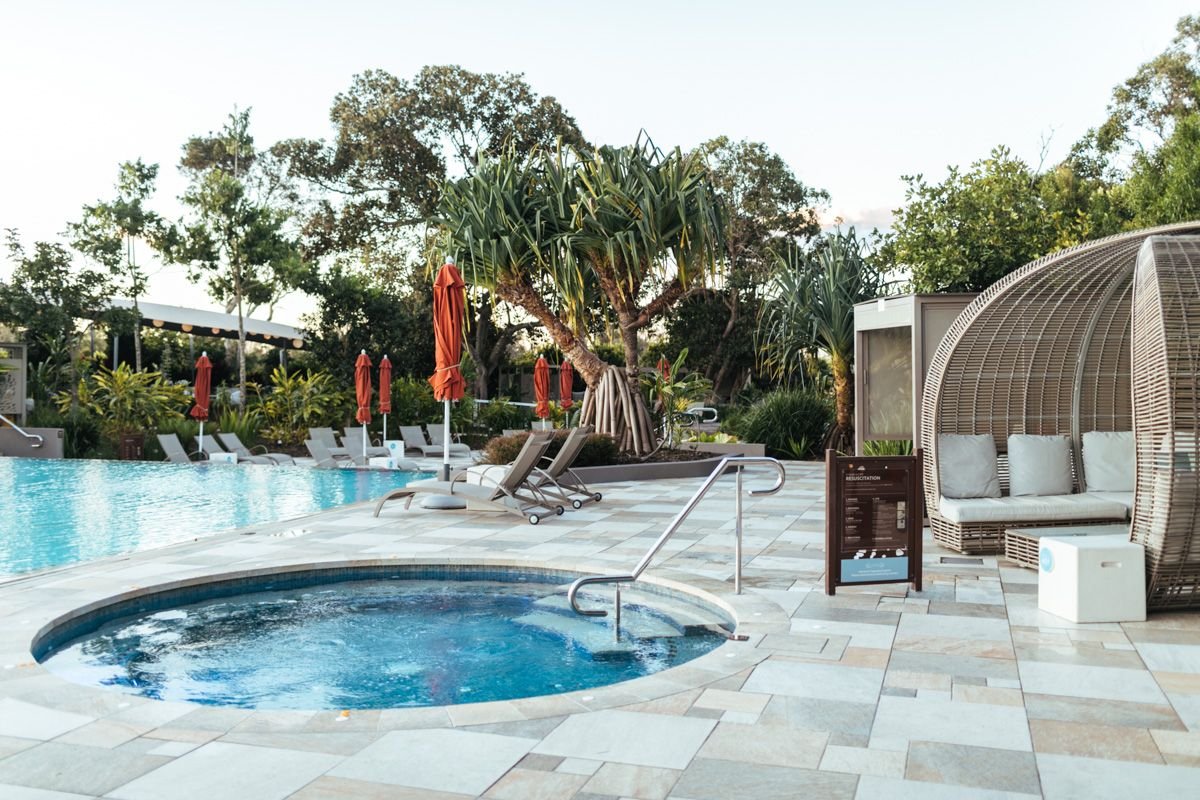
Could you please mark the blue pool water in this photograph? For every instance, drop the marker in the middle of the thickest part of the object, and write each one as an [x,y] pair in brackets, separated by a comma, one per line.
[56,512]
[374,644]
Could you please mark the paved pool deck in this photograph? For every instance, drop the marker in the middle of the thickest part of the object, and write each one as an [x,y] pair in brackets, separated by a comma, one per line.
[963,690]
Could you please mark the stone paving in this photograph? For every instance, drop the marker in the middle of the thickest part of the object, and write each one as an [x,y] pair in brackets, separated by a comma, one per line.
[964,690]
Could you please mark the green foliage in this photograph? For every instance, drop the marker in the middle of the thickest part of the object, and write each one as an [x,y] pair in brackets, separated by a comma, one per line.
[1164,185]
[297,402]
[245,424]
[792,423]
[597,451]
[128,402]
[500,415]
[81,430]
[671,394]
[413,402]
[888,447]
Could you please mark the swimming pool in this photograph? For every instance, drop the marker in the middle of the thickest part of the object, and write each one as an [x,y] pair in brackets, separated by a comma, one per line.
[374,637]
[56,512]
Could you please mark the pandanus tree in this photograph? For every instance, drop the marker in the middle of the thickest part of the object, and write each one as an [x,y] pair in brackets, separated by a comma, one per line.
[810,310]
[568,235]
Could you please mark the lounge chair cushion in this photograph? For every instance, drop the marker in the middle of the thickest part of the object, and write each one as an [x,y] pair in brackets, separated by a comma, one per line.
[1038,465]
[1124,498]
[1053,508]
[1109,461]
[967,466]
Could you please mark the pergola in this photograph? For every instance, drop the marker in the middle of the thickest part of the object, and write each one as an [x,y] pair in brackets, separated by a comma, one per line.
[1100,337]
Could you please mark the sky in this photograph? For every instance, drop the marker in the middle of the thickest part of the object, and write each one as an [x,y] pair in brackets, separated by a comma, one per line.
[852,95]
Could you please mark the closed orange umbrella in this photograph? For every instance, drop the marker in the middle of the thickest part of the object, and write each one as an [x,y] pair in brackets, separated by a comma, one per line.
[449,309]
[664,367]
[385,390]
[541,387]
[362,391]
[566,384]
[202,394]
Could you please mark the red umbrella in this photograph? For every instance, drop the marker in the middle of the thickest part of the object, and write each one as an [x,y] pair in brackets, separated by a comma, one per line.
[362,391]
[202,394]
[385,390]
[541,387]
[566,383]
[664,367]
[449,309]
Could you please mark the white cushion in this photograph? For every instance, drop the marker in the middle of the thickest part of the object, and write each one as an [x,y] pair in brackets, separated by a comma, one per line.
[1109,461]
[1124,498]
[967,466]
[1053,508]
[1038,465]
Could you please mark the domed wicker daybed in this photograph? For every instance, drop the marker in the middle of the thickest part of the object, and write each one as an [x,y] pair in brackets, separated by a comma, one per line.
[1067,346]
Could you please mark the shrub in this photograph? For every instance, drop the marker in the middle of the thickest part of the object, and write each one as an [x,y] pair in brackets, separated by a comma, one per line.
[500,415]
[599,450]
[792,423]
[245,425]
[81,430]
[128,402]
[888,447]
[413,403]
[298,402]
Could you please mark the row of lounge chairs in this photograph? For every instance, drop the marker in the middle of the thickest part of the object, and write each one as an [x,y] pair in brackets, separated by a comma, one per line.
[523,487]
[176,453]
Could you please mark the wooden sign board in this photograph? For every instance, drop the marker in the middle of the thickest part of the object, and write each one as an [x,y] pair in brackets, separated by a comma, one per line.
[874,518]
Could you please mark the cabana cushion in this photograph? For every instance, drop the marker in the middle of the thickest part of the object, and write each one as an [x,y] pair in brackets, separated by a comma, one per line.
[967,466]
[1030,509]
[1124,498]
[1109,461]
[1038,465]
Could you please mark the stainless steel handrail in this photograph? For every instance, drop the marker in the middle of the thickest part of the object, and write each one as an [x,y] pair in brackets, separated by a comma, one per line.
[40,441]
[738,462]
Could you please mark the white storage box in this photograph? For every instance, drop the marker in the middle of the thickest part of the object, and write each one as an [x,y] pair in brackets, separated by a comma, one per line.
[382,462]
[1092,578]
[223,458]
[395,448]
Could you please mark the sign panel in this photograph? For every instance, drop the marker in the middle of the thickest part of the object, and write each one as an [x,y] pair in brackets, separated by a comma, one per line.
[873,520]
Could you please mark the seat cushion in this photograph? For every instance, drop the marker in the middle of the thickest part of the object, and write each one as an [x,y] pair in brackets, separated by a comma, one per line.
[1039,465]
[1109,461]
[1052,508]
[1124,498]
[967,466]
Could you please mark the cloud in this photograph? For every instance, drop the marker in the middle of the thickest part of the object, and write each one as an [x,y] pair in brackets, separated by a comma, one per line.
[864,219]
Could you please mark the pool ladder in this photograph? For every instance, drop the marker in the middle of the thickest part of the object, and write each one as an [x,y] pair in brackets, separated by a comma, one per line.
[38,441]
[737,463]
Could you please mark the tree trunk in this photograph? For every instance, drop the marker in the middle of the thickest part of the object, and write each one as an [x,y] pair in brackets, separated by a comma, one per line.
[589,366]
[843,392]
[241,349]
[137,322]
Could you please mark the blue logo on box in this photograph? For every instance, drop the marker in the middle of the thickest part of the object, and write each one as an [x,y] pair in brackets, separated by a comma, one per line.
[1046,559]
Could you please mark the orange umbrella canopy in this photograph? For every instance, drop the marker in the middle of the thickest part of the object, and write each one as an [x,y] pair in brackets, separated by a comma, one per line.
[362,387]
[541,388]
[385,386]
[566,383]
[449,308]
[203,388]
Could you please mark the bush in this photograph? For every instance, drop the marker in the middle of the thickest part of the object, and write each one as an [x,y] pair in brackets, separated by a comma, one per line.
[298,402]
[598,451]
[81,430]
[245,425]
[792,423]
[500,415]
[888,447]
[413,403]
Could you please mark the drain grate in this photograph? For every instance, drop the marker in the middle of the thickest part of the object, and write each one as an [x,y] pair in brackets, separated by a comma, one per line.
[977,562]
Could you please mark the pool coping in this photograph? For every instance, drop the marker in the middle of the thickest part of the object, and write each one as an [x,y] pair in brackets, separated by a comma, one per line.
[753,615]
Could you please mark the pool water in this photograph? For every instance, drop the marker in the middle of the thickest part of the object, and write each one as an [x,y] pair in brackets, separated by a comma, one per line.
[56,512]
[375,644]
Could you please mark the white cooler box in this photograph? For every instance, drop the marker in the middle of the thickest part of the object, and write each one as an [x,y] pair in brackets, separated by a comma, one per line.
[1092,578]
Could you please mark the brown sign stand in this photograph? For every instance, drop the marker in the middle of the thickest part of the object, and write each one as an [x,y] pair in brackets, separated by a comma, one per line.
[874,518]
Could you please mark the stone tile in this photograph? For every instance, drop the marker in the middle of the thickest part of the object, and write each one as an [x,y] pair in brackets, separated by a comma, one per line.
[860,634]
[1093,741]
[341,744]
[952,723]
[863,761]
[650,740]
[539,762]
[1104,683]
[981,629]
[579,766]
[75,768]
[327,788]
[1069,777]
[987,694]
[875,788]
[529,784]
[11,792]
[30,721]
[733,701]
[101,733]
[1170,657]
[816,680]
[819,715]
[1101,712]
[952,664]
[170,749]
[916,680]
[465,762]
[709,779]
[626,780]
[12,744]
[977,767]
[763,744]
[228,770]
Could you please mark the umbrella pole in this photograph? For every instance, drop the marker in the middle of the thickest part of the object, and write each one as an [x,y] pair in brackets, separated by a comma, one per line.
[446,441]
[364,441]
[385,430]
[200,441]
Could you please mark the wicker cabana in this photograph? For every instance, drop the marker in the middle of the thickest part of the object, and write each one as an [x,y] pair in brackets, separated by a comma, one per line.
[1048,350]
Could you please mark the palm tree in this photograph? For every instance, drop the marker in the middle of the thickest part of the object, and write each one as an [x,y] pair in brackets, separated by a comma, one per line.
[810,309]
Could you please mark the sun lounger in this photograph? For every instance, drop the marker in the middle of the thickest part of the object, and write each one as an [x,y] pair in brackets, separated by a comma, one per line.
[414,439]
[212,447]
[512,492]
[558,480]
[174,449]
[326,438]
[234,445]
[437,438]
[322,458]
[352,441]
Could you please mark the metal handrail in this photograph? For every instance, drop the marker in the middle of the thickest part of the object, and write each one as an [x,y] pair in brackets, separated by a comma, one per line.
[730,461]
[40,440]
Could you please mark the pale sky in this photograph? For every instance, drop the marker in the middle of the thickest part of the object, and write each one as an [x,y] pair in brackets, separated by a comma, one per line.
[852,95]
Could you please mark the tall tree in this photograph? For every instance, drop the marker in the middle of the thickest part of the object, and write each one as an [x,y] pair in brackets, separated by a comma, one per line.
[109,232]
[235,234]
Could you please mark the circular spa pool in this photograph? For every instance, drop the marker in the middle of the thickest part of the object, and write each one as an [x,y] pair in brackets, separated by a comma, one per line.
[373,638]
